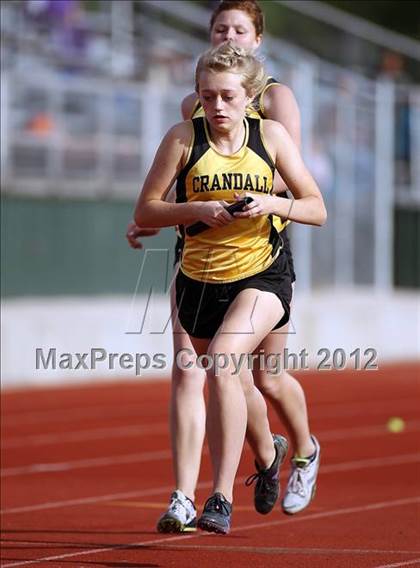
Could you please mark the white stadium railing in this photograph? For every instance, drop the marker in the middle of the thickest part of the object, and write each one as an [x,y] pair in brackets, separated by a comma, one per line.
[75,135]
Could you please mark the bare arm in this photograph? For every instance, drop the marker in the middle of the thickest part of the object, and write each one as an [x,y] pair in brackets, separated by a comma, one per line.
[307,205]
[187,105]
[152,210]
[133,231]
[279,104]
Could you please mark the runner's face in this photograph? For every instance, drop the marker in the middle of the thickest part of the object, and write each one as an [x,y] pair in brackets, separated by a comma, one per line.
[234,26]
[223,99]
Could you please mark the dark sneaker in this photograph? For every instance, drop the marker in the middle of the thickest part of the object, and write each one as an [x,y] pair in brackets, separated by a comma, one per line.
[267,488]
[180,516]
[216,515]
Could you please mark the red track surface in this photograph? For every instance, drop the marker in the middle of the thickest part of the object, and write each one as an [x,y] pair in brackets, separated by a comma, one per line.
[86,472]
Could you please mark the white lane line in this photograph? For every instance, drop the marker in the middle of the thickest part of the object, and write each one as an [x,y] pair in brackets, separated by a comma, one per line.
[280,550]
[325,514]
[71,415]
[163,427]
[370,408]
[252,549]
[86,435]
[373,462]
[345,511]
[365,431]
[396,565]
[87,463]
[89,500]
[320,410]
[55,467]
[326,469]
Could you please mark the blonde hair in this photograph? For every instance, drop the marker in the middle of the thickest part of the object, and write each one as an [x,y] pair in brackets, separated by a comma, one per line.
[234,59]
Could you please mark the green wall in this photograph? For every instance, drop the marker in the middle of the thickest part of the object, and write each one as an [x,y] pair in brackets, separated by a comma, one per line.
[407,248]
[61,247]
[53,247]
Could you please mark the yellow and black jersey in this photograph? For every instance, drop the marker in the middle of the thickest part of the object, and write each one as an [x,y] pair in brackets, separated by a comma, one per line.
[256,110]
[245,246]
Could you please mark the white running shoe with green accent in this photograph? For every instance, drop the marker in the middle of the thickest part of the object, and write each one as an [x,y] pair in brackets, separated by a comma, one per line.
[302,482]
[181,515]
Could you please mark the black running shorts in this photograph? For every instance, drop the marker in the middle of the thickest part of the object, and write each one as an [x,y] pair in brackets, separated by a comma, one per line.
[202,306]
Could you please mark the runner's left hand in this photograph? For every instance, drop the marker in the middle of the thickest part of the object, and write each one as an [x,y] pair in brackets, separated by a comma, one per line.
[260,205]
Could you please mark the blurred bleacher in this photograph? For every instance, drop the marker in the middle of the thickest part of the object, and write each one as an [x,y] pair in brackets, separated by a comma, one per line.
[89,89]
